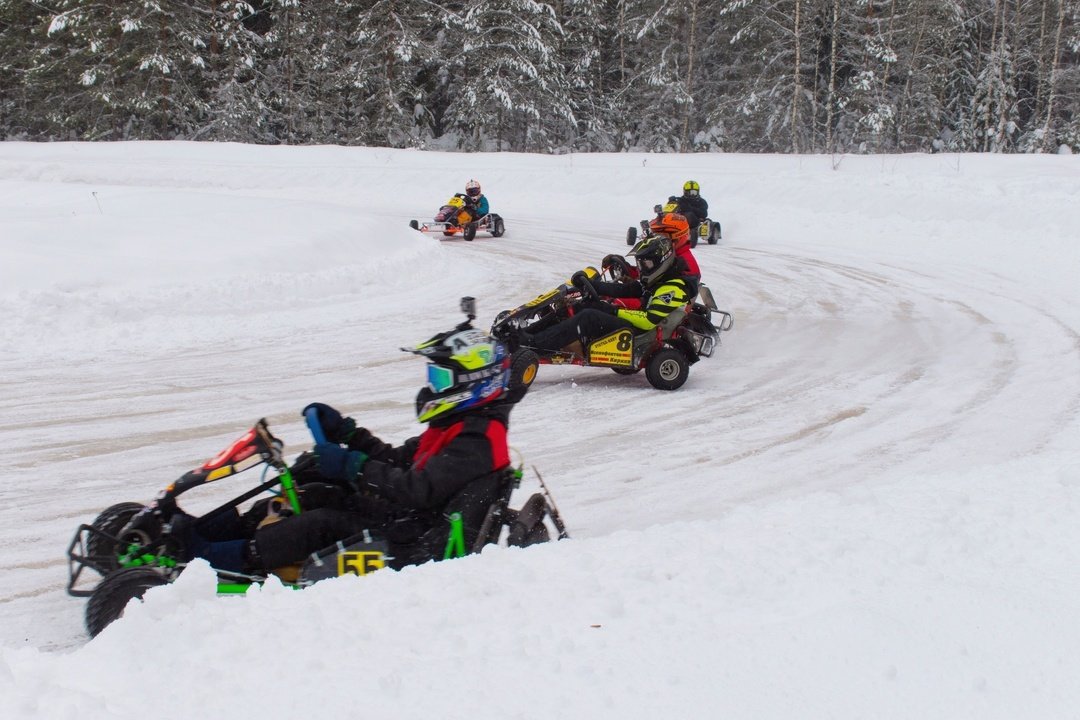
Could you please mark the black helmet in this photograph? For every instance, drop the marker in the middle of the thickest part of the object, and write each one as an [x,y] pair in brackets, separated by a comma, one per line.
[466,368]
[655,255]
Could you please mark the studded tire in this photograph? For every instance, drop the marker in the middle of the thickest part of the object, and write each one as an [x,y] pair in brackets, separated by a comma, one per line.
[111,521]
[114,593]
[667,369]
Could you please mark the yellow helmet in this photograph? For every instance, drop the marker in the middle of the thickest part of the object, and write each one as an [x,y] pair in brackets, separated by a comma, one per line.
[691,187]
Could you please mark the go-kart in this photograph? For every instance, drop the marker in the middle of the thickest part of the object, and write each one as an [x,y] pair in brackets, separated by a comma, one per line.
[134,547]
[707,230]
[458,216]
[665,353]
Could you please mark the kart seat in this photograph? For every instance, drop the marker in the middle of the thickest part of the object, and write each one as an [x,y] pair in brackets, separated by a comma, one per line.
[667,328]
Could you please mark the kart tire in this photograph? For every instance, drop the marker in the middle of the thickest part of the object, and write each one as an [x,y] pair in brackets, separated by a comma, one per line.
[714,233]
[527,527]
[469,231]
[113,594]
[414,224]
[693,240]
[626,370]
[497,227]
[667,369]
[631,235]
[111,521]
[524,365]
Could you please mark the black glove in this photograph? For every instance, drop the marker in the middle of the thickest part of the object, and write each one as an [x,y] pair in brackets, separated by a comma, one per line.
[337,429]
[604,307]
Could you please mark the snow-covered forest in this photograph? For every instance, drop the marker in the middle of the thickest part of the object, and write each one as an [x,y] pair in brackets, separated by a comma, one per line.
[570,75]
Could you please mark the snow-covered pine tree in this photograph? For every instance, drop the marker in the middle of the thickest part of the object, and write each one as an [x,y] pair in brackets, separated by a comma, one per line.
[584,49]
[512,84]
[390,47]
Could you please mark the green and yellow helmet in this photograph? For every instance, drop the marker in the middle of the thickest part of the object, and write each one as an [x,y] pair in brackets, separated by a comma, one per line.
[691,188]
[466,369]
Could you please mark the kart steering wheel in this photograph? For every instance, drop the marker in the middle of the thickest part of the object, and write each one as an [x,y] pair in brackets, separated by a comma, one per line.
[588,292]
[311,416]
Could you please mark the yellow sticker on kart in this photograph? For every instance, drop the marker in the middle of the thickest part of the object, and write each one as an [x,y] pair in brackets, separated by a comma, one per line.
[614,349]
[540,299]
[360,562]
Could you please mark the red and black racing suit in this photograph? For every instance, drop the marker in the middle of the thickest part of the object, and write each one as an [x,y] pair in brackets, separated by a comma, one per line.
[457,464]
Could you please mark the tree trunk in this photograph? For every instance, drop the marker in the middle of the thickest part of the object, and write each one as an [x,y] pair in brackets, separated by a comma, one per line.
[691,46]
[797,83]
[832,77]
[1051,94]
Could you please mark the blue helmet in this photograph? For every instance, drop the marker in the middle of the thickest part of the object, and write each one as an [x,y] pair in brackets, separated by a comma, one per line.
[466,369]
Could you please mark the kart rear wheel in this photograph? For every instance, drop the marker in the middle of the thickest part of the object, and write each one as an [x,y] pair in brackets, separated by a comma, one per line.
[497,227]
[111,521]
[667,369]
[714,233]
[414,224]
[631,235]
[469,231]
[115,592]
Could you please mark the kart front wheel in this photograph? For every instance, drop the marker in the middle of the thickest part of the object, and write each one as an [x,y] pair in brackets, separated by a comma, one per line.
[414,224]
[523,368]
[714,233]
[110,522]
[469,231]
[113,594]
[667,369]
[631,235]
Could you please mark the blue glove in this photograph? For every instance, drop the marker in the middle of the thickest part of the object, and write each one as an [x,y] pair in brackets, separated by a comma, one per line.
[337,463]
[337,429]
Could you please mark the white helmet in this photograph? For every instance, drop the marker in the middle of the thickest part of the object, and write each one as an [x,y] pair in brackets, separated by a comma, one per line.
[472,189]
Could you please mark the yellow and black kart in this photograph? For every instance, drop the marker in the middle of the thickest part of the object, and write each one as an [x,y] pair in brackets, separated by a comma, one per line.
[665,353]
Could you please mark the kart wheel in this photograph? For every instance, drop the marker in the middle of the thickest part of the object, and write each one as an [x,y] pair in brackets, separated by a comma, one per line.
[693,239]
[626,370]
[523,368]
[115,592]
[497,227]
[667,369]
[111,521]
[527,527]
[631,235]
[714,233]
[469,231]
[415,225]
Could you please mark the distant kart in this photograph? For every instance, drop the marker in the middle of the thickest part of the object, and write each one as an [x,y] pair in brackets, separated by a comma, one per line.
[458,216]
[707,230]
[665,353]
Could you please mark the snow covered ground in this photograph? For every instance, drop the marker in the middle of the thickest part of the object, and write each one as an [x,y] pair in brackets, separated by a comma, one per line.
[866,504]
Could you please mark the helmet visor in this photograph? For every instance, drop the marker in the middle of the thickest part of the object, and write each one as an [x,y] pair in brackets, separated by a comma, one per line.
[439,378]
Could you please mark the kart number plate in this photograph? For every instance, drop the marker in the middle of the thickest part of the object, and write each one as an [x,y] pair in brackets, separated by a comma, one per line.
[614,349]
[362,562]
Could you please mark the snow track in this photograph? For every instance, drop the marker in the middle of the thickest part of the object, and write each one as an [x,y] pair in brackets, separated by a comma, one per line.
[850,362]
